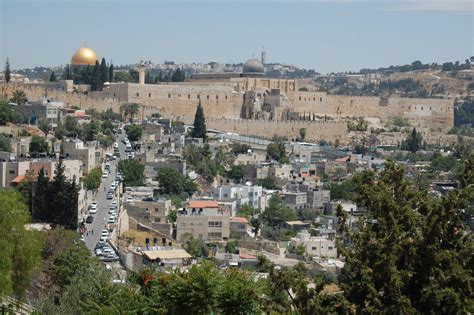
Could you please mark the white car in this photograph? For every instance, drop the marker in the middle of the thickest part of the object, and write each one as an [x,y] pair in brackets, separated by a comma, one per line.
[116,145]
[111,220]
[114,203]
[105,175]
[104,232]
[129,198]
[94,208]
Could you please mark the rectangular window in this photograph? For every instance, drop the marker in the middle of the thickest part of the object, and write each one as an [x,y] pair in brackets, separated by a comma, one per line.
[138,94]
[215,235]
[330,248]
[214,224]
[11,172]
[313,248]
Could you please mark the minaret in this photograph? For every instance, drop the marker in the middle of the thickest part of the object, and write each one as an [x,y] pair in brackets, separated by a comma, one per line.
[263,56]
[141,73]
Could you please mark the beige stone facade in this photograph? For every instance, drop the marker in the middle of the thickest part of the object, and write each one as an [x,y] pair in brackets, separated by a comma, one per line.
[223,102]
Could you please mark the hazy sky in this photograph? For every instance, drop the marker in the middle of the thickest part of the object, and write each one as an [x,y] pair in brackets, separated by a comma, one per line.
[338,35]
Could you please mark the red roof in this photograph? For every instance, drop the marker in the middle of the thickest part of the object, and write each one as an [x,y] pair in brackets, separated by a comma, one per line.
[203,204]
[247,256]
[239,220]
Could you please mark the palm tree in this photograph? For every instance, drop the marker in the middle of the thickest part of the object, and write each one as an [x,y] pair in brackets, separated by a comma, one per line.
[134,108]
[128,110]
[19,97]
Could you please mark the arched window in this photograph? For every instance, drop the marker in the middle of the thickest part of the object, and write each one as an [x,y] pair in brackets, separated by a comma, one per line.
[138,94]
[207,96]
[189,96]
[217,97]
[149,94]
[169,95]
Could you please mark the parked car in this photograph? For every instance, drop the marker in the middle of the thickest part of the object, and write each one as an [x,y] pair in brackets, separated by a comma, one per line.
[89,219]
[105,175]
[110,195]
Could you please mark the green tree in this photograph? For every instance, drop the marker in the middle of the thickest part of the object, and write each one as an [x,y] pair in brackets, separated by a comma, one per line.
[196,248]
[19,97]
[267,183]
[5,143]
[44,126]
[40,209]
[232,246]
[246,211]
[8,72]
[111,73]
[38,145]
[238,148]
[104,71]
[199,130]
[71,125]
[96,80]
[129,110]
[93,179]
[63,199]
[7,115]
[236,172]
[276,151]
[413,142]
[20,247]
[343,190]
[277,213]
[67,73]
[52,77]
[409,254]
[132,172]
[134,132]
[174,182]
[302,134]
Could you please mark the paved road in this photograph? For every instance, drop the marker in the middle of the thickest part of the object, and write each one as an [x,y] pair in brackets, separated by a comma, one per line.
[101,217]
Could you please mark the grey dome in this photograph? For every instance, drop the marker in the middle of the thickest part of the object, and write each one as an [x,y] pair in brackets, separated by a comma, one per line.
[253,66]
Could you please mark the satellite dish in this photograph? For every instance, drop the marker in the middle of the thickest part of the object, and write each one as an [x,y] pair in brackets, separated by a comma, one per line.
[249,183]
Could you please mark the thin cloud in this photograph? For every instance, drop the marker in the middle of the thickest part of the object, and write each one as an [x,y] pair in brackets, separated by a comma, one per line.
[441,5]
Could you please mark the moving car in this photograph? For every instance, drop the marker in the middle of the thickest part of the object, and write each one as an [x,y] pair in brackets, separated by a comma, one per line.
[105,174]
[94,208]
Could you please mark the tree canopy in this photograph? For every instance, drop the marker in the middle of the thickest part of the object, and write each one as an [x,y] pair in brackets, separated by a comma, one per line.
[132,172]
[175,183]
[134,132]
[410,254]
[7,114]
[199,130]
[276,151]
[413,142]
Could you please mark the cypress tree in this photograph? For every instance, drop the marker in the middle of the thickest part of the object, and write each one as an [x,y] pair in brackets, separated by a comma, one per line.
[96,80]
[111,72]
[41,209]
[52,77]
[59,195]
[70,216]
[104,72]
[199,130]
[67,73]
[7,71]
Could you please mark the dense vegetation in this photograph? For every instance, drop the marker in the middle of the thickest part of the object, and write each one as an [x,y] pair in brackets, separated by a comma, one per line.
[132,172]
[464,114]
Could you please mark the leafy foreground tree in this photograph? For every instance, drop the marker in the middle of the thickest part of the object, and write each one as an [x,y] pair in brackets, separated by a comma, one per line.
[411,254]
[93,179]
[134,132]
[7,115]
[132,172]
[56,201]
[199,130]
[20,248]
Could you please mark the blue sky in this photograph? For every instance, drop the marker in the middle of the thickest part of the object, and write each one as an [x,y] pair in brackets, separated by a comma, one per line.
[338,35]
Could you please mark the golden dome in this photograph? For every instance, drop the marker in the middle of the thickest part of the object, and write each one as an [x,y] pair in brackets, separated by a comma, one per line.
[84,56]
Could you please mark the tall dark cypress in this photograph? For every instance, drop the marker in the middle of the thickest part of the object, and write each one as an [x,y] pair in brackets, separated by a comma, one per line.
[59,195]
[104,72]
[7,71]
[96,80]
[199,130]
[70,215]
[41,198]
[111,73]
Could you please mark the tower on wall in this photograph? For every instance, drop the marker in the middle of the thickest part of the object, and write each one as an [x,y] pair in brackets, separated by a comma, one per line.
[263,56]
[141,73]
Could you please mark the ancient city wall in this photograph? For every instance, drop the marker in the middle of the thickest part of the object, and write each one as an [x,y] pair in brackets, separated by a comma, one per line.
[437,114]
[320,103]
[315,131]
[223,101]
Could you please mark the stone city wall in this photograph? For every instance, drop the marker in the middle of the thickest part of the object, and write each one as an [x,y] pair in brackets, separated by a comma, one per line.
[223,100]
[320,103]
[315,130]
